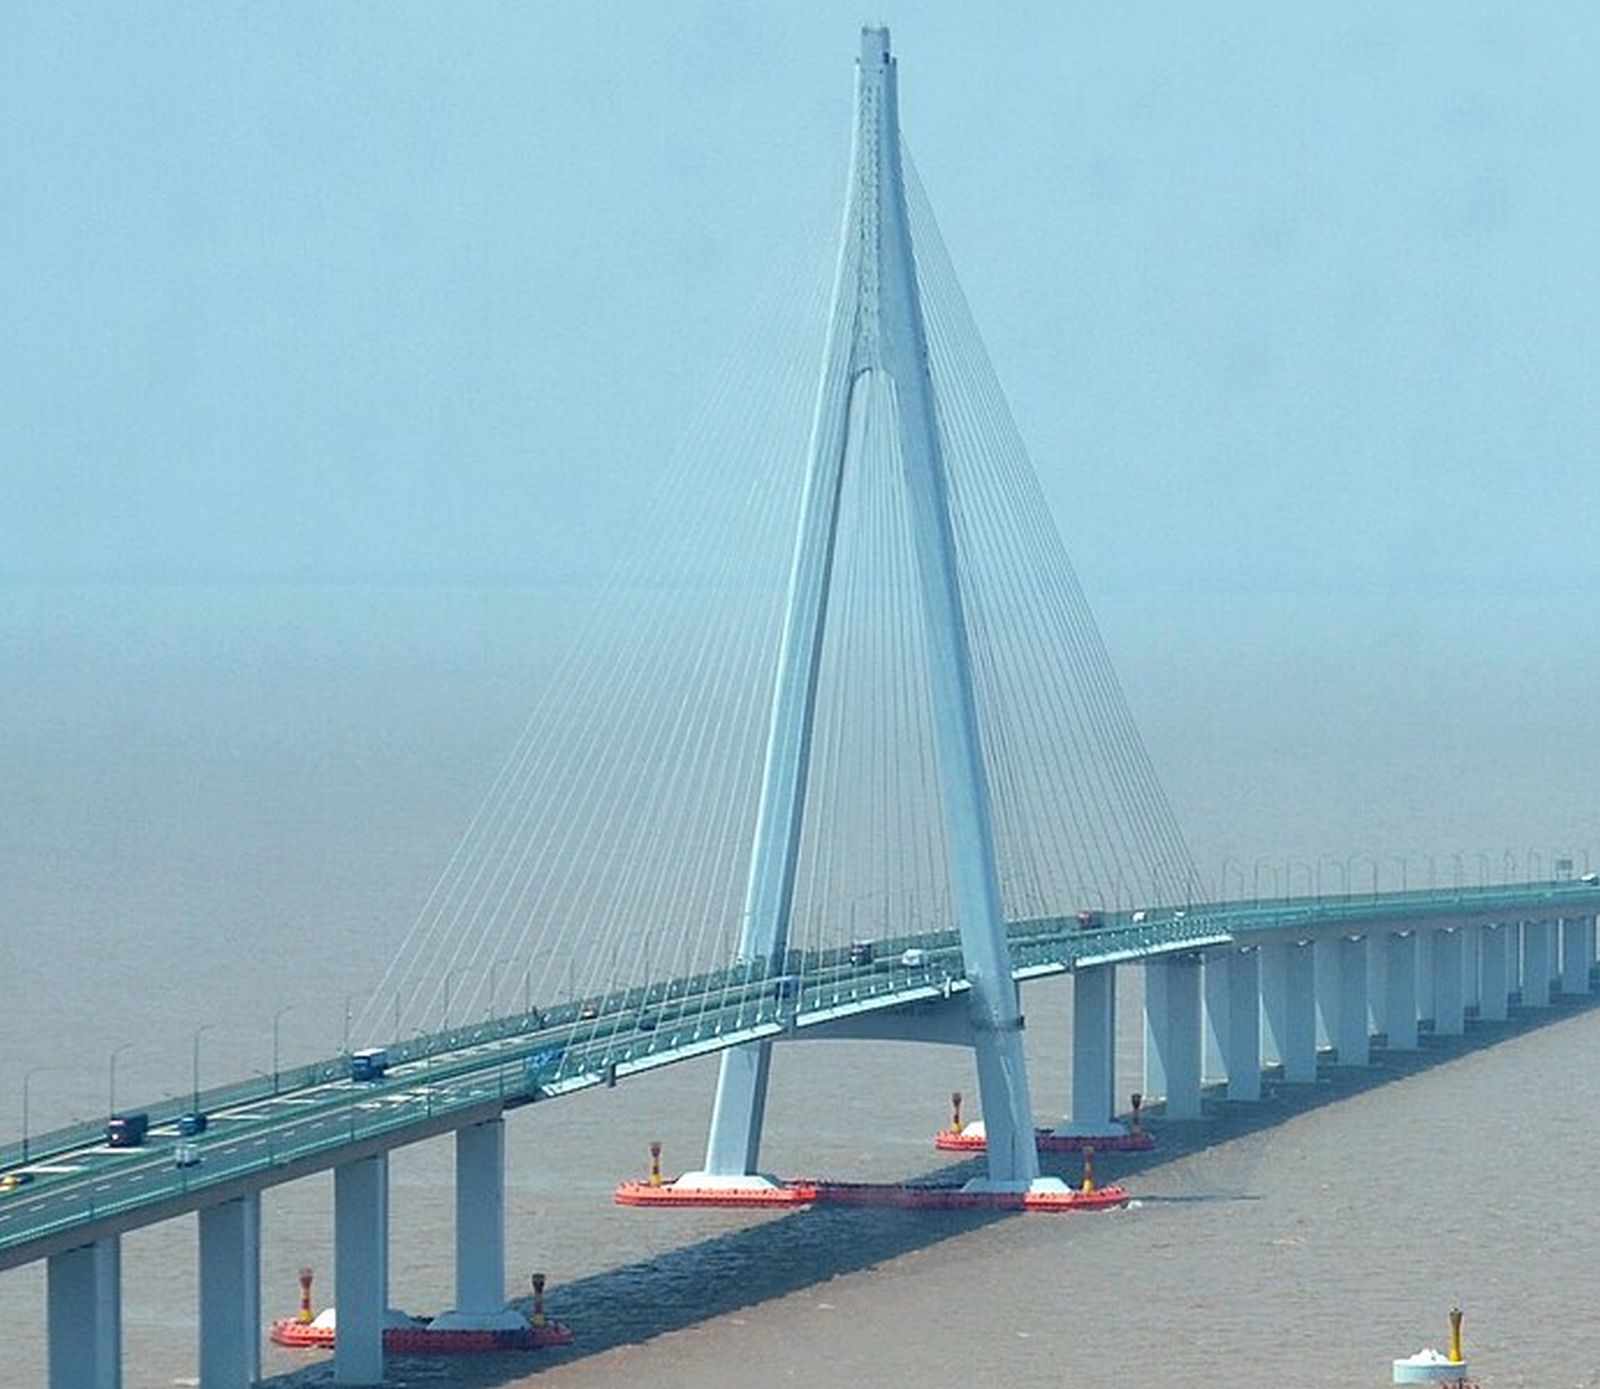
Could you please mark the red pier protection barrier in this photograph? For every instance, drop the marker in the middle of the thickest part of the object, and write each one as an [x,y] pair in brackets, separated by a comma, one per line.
[654,1192]
[970,1138]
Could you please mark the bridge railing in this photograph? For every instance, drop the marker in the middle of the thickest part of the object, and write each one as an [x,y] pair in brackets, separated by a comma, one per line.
[613,1038]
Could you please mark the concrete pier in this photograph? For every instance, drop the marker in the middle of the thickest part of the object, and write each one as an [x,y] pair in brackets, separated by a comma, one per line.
[1172,1033]
[1494,983]
[1537,963]
[230,1294]
[1289,1009]
[361,1267]
[1577,954]
[1094,1056]
[1400,990]
[481,1233]
[83,1299]
[1233,1021]
[1449,1008]
[1350,1034]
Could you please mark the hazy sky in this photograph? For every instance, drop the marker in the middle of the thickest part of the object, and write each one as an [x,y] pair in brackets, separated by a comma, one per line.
[1295,305]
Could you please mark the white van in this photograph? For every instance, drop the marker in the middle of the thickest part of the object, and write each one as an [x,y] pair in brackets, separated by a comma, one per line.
[915,958]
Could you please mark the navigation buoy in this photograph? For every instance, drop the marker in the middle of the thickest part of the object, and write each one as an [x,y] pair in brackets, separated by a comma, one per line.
[537,1318]
[1428,1366]
[306,1314]
[1087,1185]
[655,1163]
[1136,1123]
[955,1111]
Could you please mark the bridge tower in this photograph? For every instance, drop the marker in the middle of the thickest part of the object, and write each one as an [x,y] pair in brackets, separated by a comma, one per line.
[877,357]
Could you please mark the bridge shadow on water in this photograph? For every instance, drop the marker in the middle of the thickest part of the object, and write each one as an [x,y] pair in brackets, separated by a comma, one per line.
[776,1257]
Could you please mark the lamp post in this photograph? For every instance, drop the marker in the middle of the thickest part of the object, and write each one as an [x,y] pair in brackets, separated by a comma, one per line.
[195,1076]
[1401,861]
[111,1084]
[26,1077]
[277,1018]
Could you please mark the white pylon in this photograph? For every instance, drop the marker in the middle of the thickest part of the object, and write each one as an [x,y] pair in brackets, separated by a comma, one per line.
[877,350]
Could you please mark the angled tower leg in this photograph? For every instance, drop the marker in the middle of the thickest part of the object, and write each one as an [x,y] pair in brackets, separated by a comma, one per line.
[877,352]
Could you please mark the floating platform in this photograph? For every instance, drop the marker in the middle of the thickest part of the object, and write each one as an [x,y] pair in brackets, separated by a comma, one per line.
[972,1140]
[898,1196]
[420,1339]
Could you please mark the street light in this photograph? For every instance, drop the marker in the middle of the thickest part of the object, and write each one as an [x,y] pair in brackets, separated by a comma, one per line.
[111,1086]
[195,1077]
[276,1019]
[26,1077]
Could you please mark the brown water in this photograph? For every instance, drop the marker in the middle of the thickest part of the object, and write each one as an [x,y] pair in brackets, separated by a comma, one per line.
[1305,1252]
[200,831]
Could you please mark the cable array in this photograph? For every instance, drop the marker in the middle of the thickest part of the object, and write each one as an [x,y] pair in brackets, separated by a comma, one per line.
[612,848]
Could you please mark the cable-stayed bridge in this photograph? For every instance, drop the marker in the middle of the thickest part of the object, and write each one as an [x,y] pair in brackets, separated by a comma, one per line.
[844,757]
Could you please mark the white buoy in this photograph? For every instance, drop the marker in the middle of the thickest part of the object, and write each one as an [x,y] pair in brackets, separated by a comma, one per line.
[1435,1367]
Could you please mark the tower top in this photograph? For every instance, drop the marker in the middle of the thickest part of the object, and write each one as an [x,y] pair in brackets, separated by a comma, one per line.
[875,47]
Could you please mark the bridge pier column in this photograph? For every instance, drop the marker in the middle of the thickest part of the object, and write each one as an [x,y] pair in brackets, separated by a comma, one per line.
[1289,1009]
[84,1313]
[361,1267]
[1400,990]
[1495,984]
[1214,1018]
[1274,1001]
[1243,1059]
[1172,1033]
[1536,964]
[1470,949]
[1327,987]
[1576,955]
[1423,974]
[481,1233]
[1377,982]
[230,1294]
[1094,1054]
[1449,1010]
[1351,1037]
